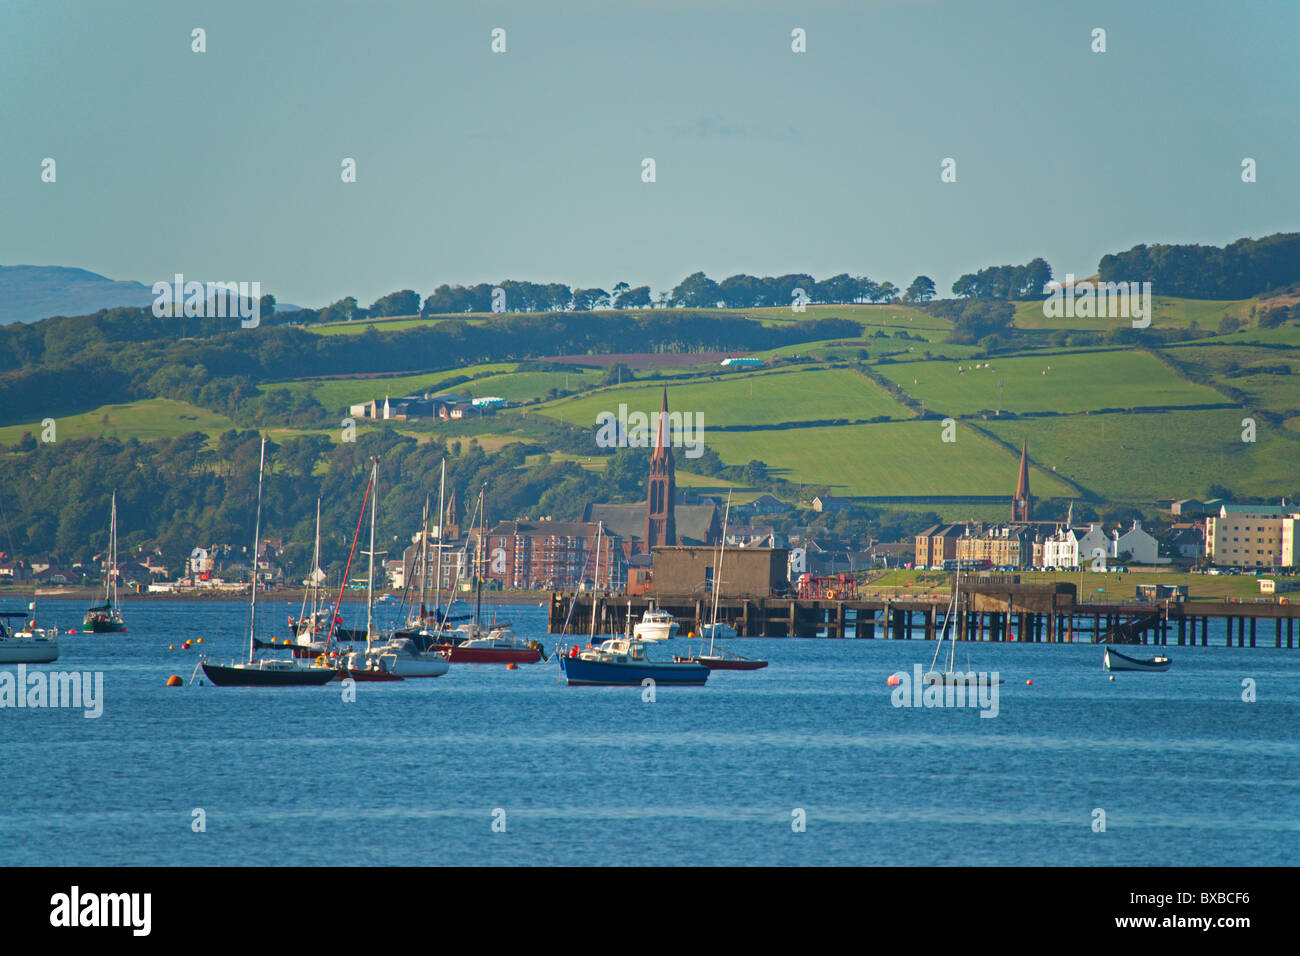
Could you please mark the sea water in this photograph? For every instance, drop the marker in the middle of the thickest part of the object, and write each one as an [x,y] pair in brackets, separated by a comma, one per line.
[807,761]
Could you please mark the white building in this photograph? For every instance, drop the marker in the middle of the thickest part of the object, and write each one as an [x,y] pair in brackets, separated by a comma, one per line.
[1066,547]
[1252,536]
[1140,546]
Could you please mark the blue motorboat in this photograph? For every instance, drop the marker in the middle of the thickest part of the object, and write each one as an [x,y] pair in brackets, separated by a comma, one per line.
[623,661]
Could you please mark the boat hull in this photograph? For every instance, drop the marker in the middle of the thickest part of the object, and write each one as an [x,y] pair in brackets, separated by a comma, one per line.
[226,675]
[28,652]
[364,675]
[433,666]
[101,626]
[655,632]
[612,673]
[959,679]
[1113,660]
[458,654]
[724,663]
[710,631]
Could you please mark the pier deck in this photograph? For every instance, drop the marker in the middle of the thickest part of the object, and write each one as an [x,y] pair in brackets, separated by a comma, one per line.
[994,611]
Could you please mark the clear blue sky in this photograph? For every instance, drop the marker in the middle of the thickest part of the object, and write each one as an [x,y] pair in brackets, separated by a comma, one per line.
[477,167]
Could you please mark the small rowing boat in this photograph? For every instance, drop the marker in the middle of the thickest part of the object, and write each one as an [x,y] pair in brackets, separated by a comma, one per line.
[1115,661]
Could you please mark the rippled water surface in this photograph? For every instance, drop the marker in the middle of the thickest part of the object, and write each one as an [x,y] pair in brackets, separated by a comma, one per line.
[416,772]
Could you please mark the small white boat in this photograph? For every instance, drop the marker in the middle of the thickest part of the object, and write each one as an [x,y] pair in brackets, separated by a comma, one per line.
[717,630]
[29,645]
[1115,661]
[655,626]
[401,657]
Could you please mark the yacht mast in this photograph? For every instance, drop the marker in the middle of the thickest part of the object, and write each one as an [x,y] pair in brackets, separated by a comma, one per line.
[595,583]
[110,583]
[257,540]
[424,560]
[370,584]
[717,574]
[437,573]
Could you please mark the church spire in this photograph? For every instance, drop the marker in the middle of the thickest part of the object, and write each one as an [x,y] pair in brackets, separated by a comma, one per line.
[1020,505]
[661,522]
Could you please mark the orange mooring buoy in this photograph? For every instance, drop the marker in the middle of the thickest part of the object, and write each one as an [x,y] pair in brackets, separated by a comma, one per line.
[512,666]
[174,681]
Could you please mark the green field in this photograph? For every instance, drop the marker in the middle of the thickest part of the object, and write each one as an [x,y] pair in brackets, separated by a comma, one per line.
[1267,385]
[1171,455]
[337,394]
[766,398]
[1060,382]
[1168,313]
[146,420]
[891,458]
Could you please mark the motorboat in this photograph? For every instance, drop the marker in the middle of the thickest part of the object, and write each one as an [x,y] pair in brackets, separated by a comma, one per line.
[655,625]
[620,661]
[401,656]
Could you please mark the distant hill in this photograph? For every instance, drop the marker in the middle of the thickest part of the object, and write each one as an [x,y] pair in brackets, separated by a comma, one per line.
[31,293]
[28,293]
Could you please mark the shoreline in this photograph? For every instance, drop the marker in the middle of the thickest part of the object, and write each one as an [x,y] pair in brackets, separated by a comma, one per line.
[26,595]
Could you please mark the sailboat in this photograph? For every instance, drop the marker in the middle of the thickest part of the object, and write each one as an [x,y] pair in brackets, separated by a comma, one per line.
[720,660]
[107,617]
[263,673]
[951,676]
[312,629]
[475,643]
[399,656]
[28,644]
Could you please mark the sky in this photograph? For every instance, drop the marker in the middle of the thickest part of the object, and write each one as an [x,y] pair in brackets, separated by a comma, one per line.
[474,166]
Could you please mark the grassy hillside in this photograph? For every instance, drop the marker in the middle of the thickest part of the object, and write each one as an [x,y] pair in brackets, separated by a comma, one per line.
[1168,313]
[1170,455]
[897,458]
[1061,383]
[147,419]
[763,398]
[1116,457]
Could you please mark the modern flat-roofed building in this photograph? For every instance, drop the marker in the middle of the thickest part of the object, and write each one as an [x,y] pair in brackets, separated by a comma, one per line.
[1252,536]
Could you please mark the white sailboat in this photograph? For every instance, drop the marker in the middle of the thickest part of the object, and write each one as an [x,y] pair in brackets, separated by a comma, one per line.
[950,675]
[399,656]
[26,643]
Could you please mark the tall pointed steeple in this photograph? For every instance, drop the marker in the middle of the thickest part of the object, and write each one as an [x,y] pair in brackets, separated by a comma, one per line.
[661,522]
[1020,505]
[451,519]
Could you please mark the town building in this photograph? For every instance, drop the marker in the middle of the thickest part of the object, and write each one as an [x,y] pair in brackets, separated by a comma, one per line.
[936,545]
[1252,536]
[687,572]
[1002,546]
[554,555]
